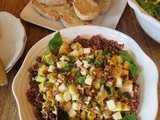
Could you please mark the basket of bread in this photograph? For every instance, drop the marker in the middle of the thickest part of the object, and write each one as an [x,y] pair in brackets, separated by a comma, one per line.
[71,12]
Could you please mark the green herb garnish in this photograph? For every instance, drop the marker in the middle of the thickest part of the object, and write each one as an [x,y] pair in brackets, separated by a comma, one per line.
[130,117]
[55,43]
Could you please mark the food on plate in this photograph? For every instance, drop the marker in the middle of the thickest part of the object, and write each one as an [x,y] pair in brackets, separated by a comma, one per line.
[88,79]
[52,2]
[51,12]
[86,9]
[104,5]
[152,7]
[82,12]
[69,18]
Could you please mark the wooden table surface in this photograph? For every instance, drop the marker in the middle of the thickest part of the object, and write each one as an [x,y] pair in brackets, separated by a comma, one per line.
[128,24]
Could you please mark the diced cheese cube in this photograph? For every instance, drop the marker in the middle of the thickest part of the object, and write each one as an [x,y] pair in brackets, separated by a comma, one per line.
[90,56]
[72,113]
[75,53]
[61,64]
[127,87]
[87,50]
[51,68]
[62,88]
[59,97]
[75,97]
[88,100]
[85,64]
[52,80]
[67,96]
[63,58]
[111,104]
[78,63]
[84,71]
[117,116]
[76,106]
[118,81]
[88,80]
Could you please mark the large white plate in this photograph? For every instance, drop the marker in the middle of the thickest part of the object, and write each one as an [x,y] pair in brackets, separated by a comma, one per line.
[109,20]
[148,78]
[12,39]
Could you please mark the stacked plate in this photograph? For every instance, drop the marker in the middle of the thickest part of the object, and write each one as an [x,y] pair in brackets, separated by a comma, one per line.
[12,39]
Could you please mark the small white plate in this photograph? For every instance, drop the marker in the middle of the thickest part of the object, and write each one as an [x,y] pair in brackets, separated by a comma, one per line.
[12,39]
[148,77]
[109,20]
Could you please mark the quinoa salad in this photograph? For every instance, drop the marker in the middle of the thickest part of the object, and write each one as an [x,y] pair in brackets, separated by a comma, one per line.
[86,79]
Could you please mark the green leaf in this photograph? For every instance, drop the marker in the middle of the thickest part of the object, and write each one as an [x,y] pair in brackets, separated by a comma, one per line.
[90,60]
[99,108]
[67,67]
[111,91]
[130,117]
[126,57]
[77,73]
[102,88]
[134,70]
[81,80]
[55,43]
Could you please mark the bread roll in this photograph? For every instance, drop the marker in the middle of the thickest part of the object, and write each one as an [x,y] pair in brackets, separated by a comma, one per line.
[104,5]
[69,18]
[86,9]
[50,12]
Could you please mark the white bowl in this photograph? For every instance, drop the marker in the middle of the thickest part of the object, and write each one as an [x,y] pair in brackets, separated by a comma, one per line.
[148,77]
[148,23]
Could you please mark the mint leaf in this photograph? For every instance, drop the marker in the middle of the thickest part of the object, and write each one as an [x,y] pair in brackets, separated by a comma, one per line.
[134,70]
[126,57]
[55,43]
[130,117]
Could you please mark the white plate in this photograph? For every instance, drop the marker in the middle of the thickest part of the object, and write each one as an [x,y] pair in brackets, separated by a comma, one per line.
[148,78]
[12,39]
[109,20]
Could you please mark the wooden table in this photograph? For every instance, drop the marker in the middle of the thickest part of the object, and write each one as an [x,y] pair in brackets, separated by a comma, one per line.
[128,24]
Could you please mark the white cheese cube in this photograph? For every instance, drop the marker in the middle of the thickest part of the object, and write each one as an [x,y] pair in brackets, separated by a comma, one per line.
[117,116]
[127,87]
[75,97]
[59,97]
[111,104]
[88,80]
[88,100]
[63,58]
[118,81]
[67,96]
[87,50]
[75,53]
[78,63]
[51,68]
[84,71]
[52,80]
[61,64]
[72,113]
[76,106]
[85,64]
[90,56]
[62,88]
